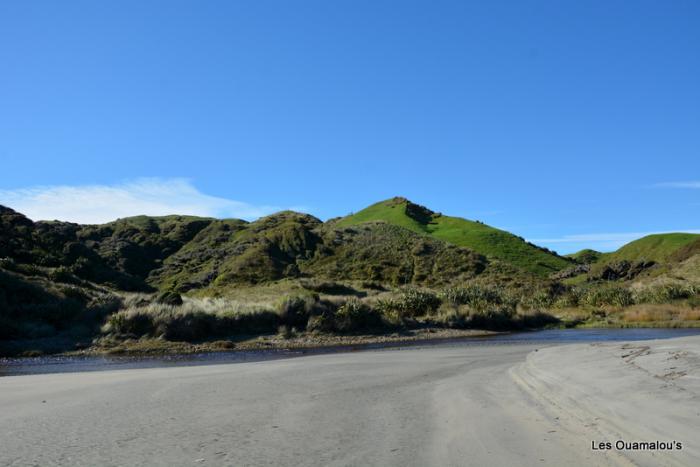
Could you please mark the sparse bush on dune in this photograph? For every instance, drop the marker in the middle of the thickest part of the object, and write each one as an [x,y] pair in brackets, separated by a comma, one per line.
[356,315]
[495,317]
[296,310]
[409,303]
[611,295]
[196,319]
[572,298]
[485,298]
[32,308]
[201,319]
[538,300]
[471,306]
[476,296]
[321,323]
[419,302]
[475,305]
[666,293]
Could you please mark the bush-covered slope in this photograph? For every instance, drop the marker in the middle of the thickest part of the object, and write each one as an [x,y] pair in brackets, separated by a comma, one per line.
[136,246]
[121,253]
[230,252]
[481,238]
[390,254]
[291,245]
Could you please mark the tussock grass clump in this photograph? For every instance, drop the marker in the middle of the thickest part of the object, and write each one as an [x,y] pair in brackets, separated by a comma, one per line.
[486,307]
[195,319]
[496,317]
[666,293]
[355,315]
[610,295]
[409,303]
[345,316]
[480,299]
[295,310]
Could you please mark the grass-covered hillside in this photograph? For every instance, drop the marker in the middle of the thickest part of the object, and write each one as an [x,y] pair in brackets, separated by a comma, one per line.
[658,247]
[481,238]
[181,282]
[658,258]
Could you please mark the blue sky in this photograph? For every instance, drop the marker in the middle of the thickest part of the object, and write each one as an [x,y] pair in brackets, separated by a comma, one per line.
[573,124]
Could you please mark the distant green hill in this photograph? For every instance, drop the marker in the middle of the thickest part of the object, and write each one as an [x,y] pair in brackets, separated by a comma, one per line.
[481,238]
[659,248]
[586,256]
[648,256]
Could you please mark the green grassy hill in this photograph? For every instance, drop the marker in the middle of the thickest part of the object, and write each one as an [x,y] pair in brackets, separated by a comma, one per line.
[659,248]
[586,256]
[481,238]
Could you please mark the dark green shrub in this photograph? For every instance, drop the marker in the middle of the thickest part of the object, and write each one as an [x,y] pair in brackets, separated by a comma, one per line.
[573,297]
[419,302]
[188,327]
[138,324]
[355,315]
[390,307]
[295,310]
[323,322]
[478,297]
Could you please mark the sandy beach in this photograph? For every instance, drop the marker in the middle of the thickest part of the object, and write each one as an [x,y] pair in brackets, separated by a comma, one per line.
[447,405]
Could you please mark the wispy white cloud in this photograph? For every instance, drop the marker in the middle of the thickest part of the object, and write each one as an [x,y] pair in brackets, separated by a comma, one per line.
[600,241]
[96,204]
[694,185]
